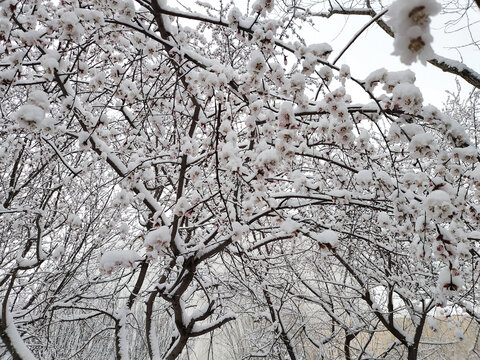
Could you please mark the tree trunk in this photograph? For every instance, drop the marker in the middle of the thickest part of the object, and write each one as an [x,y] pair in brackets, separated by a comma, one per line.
[413,352]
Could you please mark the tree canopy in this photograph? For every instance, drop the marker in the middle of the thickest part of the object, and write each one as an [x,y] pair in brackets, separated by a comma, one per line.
[178,178]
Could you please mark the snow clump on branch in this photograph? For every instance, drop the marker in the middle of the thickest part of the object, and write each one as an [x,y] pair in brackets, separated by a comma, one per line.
[116,259]
[234,16]
[327,239]
[157,241]
[30,116]
[410,21]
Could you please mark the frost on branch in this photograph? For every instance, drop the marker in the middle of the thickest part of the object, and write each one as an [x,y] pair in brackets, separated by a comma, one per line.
[410,21]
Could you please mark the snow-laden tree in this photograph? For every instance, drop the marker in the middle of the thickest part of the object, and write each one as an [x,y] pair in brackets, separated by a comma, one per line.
[170,172]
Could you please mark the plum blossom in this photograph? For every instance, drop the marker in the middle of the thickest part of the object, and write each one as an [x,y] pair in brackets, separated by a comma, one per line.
[438,205]
[407,97]
[422,145]
[268,159]
[182,206]
[449,280]
[326,74]
[467,154]
[234,16]
[262,6]
[157,241]
[30,116]
[238,231]
[410,21]
[257,64]
[364,178]
[289,226]
[286,116]
[71,26]
[320,51]
[58,252]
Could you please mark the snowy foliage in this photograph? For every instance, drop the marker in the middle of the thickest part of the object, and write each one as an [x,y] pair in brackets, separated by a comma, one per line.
[170,175]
